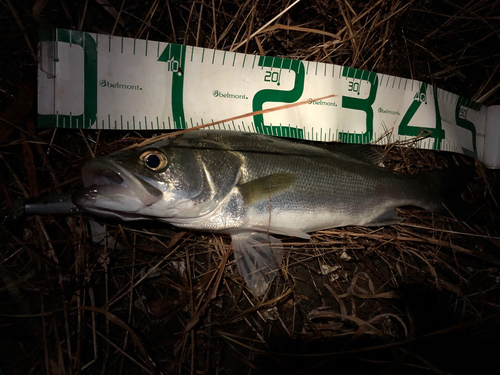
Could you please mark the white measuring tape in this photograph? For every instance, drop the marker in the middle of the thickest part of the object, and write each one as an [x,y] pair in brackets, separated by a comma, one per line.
[88,80]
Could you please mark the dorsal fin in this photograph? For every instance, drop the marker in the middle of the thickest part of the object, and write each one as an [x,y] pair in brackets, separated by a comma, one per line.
[369,154]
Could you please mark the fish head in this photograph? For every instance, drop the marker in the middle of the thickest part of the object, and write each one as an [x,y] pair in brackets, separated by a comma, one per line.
[156,182]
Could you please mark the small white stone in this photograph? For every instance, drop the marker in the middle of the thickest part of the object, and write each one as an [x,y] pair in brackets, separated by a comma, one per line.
[271,314]
[344,256]
[326,269]
[179,266]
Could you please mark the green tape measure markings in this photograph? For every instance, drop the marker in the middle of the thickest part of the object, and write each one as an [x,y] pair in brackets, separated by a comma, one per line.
[364,105]
[174,56]
[356,120]
[89,115]
[461,110]
[283,96]
[420,98]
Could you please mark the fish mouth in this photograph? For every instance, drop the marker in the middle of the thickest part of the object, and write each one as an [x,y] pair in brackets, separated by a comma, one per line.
[109,187]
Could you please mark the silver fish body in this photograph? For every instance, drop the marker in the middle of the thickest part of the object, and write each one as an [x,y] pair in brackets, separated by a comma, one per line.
[250,185]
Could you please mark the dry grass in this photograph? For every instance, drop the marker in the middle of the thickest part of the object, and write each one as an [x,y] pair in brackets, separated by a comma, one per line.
[419,297]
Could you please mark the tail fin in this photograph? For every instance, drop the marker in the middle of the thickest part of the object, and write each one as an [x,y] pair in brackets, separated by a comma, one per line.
[448,185]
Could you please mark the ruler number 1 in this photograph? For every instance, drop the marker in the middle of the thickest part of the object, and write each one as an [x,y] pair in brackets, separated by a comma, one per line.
[173,65]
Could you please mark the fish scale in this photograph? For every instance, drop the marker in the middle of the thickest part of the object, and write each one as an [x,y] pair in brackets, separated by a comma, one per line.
[345,193]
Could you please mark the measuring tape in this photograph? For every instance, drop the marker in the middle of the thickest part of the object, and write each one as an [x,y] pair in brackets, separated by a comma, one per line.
[97,81]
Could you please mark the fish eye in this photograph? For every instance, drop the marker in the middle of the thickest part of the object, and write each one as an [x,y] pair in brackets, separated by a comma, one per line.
[154,159]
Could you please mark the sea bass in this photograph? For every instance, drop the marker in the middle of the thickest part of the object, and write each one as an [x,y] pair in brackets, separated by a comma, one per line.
[250,186]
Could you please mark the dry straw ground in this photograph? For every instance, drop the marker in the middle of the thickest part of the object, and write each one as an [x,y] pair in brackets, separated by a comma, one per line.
[415,298]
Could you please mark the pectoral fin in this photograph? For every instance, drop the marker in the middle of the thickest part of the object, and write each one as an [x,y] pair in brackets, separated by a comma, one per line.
[265,187]
[101,236]
[258,257]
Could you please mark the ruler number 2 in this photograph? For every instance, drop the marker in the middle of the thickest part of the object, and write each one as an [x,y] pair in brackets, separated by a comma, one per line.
[272,77]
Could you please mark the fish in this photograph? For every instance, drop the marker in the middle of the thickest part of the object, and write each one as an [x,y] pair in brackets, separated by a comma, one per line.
[253,187]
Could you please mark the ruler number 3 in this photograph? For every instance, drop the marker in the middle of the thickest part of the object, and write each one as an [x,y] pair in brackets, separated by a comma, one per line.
[354,86]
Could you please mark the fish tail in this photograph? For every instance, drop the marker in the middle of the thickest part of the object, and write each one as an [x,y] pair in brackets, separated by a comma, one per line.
[446,187]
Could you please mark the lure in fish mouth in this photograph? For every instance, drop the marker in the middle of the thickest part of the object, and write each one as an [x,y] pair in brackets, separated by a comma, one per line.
[110,187]
[251,186]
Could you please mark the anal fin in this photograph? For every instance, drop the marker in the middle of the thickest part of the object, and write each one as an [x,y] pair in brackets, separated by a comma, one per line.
[387,218]
[281,230]
[258,257]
